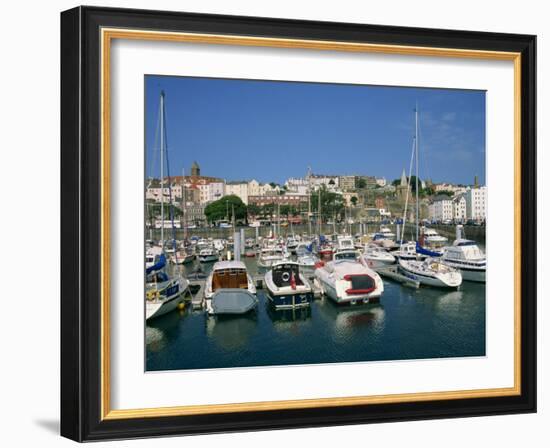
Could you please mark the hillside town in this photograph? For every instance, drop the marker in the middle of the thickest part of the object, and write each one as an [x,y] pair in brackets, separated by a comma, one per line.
[346,198]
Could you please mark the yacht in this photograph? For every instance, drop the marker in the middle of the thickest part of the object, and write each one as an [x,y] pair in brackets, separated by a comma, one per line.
[407,251]
[270,255]
[376,257]
[287,287]
[229,289]
[432,239]
[431,272]
[348,281]
[208,255]
[162,293]
[468,258]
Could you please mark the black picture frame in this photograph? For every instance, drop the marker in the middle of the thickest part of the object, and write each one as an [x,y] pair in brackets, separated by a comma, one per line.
[81,224]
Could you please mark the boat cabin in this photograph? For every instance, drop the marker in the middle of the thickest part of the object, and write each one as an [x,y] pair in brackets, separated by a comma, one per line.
[229,275]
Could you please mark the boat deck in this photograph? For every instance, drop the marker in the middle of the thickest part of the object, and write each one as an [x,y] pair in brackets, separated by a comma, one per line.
[392,272]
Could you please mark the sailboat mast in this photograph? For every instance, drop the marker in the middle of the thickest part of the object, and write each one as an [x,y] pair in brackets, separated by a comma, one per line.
[183,212]
[416,157]
[319,217]
[162,169]
[309,199]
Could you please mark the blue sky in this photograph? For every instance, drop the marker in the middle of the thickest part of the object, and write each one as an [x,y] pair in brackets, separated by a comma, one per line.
[272,130]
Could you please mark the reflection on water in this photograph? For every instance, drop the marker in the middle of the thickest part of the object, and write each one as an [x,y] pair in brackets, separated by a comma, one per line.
[231,332]
[407,324]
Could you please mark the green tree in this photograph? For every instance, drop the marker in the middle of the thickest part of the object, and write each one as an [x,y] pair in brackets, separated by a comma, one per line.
[353,200]
[331,203]
[361,183]
[223,208]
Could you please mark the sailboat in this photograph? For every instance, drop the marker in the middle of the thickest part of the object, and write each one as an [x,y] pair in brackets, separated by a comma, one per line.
[163,293]
[430,271]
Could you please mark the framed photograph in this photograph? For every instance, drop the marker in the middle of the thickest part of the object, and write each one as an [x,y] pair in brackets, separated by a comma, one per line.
[272,223]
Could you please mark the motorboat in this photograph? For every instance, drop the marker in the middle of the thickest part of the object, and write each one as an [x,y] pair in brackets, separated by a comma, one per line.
[152,255]
[307,262]
[468,258]
[376,257]
[431,272]
[345,280]
[162,292]
[270,255]
[182,257]
[431,239]
[407,251]
[291,244]
[386,232]
[208,255]
[287,287]
[230,289]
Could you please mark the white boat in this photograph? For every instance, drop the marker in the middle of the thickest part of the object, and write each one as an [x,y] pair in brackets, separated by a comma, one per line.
[348,281]
[376,257]
[345,242]
[219,245]
[407,251]
[208,255]
[230,289]
[468,258]
[152,255]
[287,287]
[386,232]
[307,262]
[432,239]
[270,255]
[431,272]
[162,293]
[182,257]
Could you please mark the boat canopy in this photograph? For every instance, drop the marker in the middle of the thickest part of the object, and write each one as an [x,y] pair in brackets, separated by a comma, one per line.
[158,265]
[423,251]
[233,301]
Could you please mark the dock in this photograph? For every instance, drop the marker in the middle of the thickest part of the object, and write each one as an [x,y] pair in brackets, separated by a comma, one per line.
[196,293]
[392,272]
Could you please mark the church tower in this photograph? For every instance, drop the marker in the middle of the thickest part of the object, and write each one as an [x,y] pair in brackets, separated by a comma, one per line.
[195,169]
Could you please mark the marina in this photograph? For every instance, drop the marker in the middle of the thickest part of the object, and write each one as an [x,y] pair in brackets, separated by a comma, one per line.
[408,323]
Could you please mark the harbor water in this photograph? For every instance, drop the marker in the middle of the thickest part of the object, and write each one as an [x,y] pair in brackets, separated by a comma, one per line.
[407,324]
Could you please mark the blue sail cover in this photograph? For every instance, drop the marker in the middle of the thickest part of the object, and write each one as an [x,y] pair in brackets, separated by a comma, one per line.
[158,265]
[423,251]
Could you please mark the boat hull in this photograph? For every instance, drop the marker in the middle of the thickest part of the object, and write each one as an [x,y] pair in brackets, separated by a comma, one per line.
[471,275]
[290,301]
[208,258]
[156,309]
[438,281]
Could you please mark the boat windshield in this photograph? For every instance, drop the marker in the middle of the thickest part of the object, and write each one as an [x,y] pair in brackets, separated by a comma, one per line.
[348,255]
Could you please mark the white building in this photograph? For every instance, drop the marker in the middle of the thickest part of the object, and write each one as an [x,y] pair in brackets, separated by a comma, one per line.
[441,209]
[459,208]
[239,189]
[381,181]
[476,203]
[297,185]
[211,192]
[331,182]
